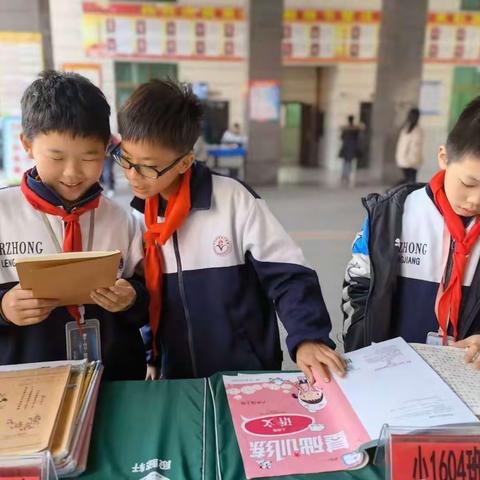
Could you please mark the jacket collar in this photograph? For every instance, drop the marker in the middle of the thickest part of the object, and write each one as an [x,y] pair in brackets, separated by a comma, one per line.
[200,192]
[46,193]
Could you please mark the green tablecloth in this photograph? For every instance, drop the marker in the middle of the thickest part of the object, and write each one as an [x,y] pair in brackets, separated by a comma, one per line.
[181,429]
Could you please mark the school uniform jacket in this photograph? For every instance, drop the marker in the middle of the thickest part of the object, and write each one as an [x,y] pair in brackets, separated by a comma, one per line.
[398,261]
[25,231]
[228,271]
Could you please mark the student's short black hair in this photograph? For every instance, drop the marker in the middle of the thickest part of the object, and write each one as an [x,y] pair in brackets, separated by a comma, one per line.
[464,138]
[162,112]
[65,103]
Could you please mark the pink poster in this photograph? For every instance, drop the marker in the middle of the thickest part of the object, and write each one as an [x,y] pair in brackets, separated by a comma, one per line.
[285,426]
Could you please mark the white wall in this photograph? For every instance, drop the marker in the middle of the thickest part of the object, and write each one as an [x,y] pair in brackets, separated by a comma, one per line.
[436,126]
[66,24]
[365,4]
[299,84]
[335,4]
[350,85]
[213,3]
[226,80]
[444,5]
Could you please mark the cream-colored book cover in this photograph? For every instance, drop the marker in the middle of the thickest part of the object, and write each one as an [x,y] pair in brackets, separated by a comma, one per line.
[68,414]
[30,401]
[68,277]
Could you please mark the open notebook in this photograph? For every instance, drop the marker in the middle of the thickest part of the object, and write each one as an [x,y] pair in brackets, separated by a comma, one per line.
[69,277]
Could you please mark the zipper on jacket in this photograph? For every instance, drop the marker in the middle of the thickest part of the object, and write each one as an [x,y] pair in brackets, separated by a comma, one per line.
[366,331]
[181,288]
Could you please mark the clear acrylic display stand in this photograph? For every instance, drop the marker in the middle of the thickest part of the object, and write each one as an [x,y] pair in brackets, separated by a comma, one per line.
[435,452]
[37,466]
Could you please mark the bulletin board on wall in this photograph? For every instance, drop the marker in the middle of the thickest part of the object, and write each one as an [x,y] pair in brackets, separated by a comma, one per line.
[92,71]
[330,36]
[21,60]
[264,100]
[181,32]
[163,31]
[15,159]
[453,38]
[352,36]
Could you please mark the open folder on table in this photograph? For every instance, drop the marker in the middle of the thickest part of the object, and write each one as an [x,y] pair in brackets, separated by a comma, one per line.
[68,277]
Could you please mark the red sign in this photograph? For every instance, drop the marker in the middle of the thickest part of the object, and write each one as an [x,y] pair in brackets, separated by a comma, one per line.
[20,478]
[422,457]
[20,473]
[277,424]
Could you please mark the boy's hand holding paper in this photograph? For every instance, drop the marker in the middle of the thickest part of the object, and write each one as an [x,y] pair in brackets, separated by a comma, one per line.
[76,278]
[20,307]
[117,298]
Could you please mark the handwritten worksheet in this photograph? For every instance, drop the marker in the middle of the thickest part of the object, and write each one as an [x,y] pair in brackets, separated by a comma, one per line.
[449,363]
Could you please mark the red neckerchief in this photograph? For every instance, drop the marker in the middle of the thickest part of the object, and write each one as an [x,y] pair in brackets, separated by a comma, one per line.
[178,207]
[73,233]
[448,308]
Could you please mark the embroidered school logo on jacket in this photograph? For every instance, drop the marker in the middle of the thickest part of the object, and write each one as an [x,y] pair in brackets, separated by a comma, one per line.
[222,245]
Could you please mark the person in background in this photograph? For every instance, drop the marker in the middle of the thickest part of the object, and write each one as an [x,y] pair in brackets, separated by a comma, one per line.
[408,155]
[233,136]
[350,148]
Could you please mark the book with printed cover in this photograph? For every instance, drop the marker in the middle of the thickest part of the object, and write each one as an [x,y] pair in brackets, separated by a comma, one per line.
[68,277]
[30,402]
[286,426]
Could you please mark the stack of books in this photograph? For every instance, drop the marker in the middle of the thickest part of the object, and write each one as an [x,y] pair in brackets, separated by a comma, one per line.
[49,407]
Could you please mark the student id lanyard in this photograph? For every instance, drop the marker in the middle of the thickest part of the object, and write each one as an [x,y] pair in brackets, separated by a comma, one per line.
[83,338]
[437,338]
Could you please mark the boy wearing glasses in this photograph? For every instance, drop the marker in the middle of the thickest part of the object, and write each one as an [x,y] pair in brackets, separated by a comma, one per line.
[59,208]
[218,266]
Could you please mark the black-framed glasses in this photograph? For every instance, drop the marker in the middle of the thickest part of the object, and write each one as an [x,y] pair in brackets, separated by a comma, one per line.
[146,171]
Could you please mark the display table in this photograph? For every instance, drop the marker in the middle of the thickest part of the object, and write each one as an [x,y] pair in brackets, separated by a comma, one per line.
[173,429]
[230,160]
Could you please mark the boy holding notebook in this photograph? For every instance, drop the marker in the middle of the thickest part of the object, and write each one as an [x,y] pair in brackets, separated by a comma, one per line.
[59,208]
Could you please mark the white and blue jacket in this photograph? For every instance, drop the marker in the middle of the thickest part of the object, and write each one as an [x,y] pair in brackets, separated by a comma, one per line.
[398,261]
[228,271]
